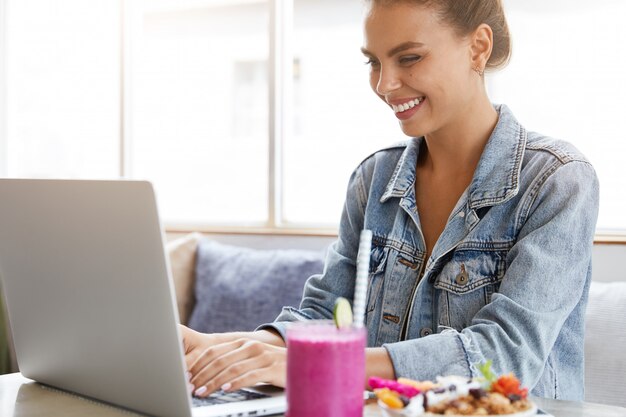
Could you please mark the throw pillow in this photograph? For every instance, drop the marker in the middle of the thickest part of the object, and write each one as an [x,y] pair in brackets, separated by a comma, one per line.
[182,254]
[238,289]
[605,339]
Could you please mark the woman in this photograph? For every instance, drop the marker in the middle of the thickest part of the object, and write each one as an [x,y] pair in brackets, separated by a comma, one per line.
[482,230]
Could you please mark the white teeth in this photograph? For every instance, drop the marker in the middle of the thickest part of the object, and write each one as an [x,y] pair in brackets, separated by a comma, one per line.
[405,106]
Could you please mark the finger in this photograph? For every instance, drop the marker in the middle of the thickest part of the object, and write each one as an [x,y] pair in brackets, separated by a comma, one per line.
[231,361]
[200,342]
[194,351]
[274,372]
[198,360]
[266,375]
[247,349]
[249,367]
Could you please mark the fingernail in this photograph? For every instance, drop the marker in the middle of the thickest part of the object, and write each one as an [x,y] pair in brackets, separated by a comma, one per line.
[188,375]
[200,390]
[226,386]
[190,387]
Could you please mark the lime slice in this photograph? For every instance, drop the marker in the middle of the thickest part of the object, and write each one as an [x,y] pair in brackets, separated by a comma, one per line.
[342,313]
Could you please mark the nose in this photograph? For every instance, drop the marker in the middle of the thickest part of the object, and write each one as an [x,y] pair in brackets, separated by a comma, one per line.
[388,81]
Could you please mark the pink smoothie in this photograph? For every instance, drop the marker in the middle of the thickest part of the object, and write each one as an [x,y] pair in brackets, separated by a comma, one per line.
[325,370]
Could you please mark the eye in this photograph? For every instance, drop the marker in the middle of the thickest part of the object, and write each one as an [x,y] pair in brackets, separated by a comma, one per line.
[372,63]
[410,59]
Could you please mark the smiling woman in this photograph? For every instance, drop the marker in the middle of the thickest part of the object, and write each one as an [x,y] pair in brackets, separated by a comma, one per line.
[482,229]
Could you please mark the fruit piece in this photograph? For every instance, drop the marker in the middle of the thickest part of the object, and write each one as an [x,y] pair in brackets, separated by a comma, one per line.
[376,382]
[406,390]
[509,385]
[415,384]
[514,397]
[422,386]
[478,393]
[488,377]
[390,398]
[342,313]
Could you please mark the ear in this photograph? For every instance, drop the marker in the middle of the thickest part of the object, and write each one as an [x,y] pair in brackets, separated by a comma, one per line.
[481,46]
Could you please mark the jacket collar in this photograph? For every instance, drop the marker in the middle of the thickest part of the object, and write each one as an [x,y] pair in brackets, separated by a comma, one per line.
[496,178]
[403,177]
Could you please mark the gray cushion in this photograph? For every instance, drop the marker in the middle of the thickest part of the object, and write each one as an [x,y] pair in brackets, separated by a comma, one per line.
[605,344]
[238,288]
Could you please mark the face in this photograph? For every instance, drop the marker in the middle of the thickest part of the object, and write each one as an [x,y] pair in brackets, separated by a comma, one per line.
[419,66]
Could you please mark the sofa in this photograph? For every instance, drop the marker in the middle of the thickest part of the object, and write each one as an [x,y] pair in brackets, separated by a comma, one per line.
[224,287]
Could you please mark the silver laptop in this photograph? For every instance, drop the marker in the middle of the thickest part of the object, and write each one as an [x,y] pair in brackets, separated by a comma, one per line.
[91,301]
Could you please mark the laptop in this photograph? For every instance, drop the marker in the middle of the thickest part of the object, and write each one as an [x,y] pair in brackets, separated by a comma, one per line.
[91,301]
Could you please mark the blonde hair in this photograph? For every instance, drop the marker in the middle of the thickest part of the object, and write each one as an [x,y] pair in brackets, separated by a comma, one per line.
[464,16]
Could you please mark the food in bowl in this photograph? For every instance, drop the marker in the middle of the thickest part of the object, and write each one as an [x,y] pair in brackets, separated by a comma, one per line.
[454,395]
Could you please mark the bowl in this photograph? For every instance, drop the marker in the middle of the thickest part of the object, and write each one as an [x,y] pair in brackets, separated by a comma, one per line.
[397,412]
[406,412]
[526,413]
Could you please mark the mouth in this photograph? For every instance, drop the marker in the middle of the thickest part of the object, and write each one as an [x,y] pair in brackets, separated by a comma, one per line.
[407,109]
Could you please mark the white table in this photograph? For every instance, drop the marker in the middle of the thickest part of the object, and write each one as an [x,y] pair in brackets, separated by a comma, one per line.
[22,397]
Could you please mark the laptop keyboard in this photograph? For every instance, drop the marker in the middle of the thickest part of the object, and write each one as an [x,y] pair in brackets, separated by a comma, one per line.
[221,397]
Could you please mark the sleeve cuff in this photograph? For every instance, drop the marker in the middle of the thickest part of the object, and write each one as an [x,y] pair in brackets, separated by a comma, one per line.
[287,315]
[431,356]
[280,327]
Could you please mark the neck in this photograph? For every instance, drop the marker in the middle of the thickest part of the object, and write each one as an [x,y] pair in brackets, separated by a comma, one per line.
[456,148]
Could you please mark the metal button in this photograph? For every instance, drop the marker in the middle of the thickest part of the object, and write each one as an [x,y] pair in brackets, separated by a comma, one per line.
[461,214]
[426,331]
[463,276]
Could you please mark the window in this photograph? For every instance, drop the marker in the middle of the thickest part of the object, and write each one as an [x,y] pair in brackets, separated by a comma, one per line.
[185,93]
[337,120]
[567,80]
[62,103]
[198,108]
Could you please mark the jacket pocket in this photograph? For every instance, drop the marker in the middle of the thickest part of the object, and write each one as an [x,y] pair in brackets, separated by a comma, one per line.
[466,284]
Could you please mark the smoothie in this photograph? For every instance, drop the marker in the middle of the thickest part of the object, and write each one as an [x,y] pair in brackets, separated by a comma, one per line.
[325,370]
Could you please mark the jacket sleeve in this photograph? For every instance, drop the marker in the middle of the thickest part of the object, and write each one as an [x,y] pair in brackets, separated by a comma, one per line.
[548,275]
[338,277]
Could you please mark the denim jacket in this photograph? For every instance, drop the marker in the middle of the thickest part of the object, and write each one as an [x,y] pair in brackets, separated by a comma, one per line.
[507,279]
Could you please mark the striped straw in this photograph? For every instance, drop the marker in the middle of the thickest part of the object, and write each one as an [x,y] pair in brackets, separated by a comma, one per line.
[362,271]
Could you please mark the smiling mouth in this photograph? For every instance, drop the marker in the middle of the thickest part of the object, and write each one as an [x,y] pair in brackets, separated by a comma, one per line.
[400,108]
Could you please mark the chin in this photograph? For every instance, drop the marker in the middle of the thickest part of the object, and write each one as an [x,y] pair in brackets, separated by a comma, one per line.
[412,131]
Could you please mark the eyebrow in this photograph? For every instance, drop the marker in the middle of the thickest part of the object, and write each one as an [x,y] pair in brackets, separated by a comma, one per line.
[402,47]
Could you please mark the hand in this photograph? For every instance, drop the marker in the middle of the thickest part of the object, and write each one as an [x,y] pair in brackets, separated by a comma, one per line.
[233,360]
